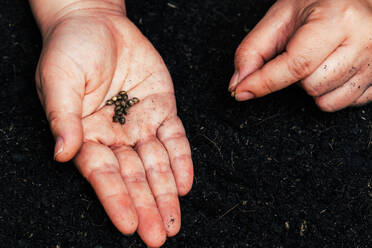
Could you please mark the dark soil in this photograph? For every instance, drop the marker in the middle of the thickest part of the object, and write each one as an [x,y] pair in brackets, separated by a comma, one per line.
[272,172]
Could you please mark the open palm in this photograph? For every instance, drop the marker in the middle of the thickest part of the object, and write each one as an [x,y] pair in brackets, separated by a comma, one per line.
[137,169]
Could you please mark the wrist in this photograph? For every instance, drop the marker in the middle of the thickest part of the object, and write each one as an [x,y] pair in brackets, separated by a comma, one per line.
[48,13]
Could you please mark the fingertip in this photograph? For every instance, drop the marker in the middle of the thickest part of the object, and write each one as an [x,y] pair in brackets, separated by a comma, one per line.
[234,81]
[246,63]
[172,225]
[184,189]
[130,226]
[66,148]
[152,233]
[244,96]
[122,214]
[323,104]
[150,227]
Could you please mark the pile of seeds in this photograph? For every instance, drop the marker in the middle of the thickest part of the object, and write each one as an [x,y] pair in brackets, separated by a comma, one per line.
[122,104]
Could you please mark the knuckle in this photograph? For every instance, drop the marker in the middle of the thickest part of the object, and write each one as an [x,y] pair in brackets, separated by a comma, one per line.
[134,177]
[299,67]
[241,54]
[98,172]
[268,85]
[160,168]
[325,105]
[53,118]
[312,89]
[314,11]
[349,12]
[286,13]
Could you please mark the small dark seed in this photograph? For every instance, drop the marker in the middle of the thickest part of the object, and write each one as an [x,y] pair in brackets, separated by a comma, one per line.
[130,102]
[124,97]
[123,103]
[125,111]
[114,98]
[135,99]
[117,108]
[109,102]
[117,103]
[118,97]
[119,112]
[115,118]
[122,93]
[122,120]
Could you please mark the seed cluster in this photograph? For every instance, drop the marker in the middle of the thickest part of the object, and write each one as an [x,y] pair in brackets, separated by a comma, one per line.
[122,104]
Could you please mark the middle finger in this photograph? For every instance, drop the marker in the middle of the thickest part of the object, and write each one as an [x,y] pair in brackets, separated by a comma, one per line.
[150,226]
[160,177]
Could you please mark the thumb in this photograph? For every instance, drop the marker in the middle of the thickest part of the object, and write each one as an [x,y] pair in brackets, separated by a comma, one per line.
[61,94]
[267,39]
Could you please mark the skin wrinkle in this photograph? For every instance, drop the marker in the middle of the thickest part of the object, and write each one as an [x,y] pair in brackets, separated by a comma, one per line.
[159,168]
[138,177]
[161,195]
[181,157]
[71,9]
[175,136]
[110,169]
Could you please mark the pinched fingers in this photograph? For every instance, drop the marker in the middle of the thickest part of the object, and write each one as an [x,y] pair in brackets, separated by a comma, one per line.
[308,48]
[172,135]
[98,164]
[161,180]
[267,39]
[150,224]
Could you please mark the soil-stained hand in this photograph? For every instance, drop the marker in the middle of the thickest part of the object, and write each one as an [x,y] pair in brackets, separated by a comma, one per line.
[137,169]
[325,45]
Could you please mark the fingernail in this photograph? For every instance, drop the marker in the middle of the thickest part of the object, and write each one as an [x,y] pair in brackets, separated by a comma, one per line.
[234,81]
[244,96]
[59,146]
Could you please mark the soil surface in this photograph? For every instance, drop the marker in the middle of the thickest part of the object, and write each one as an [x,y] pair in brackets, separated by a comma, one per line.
[272,172]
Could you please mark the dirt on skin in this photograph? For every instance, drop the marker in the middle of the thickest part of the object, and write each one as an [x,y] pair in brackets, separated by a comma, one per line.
[272,172]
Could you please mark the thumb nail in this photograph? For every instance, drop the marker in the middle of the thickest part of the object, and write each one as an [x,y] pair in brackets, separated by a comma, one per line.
[59,146]
[234,81]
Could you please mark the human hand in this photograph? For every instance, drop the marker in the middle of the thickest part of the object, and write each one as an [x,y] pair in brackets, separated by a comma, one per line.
[137,169]
[326,45]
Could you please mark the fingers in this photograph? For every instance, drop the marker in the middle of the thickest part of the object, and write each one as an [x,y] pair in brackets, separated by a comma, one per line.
[172,135]
[308,48]
[338,68]
[61,95]
[159,175]
[99,165]
[150,224]
[345,95]
[365,98]
[267,39]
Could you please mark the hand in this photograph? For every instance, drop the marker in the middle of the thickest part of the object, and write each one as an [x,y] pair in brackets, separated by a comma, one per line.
[137,169]
[324,44]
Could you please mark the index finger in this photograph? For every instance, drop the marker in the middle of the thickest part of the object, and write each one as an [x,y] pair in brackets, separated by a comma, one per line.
[310,46]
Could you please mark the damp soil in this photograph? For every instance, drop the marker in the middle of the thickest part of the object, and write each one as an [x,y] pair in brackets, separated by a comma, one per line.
[272,172]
